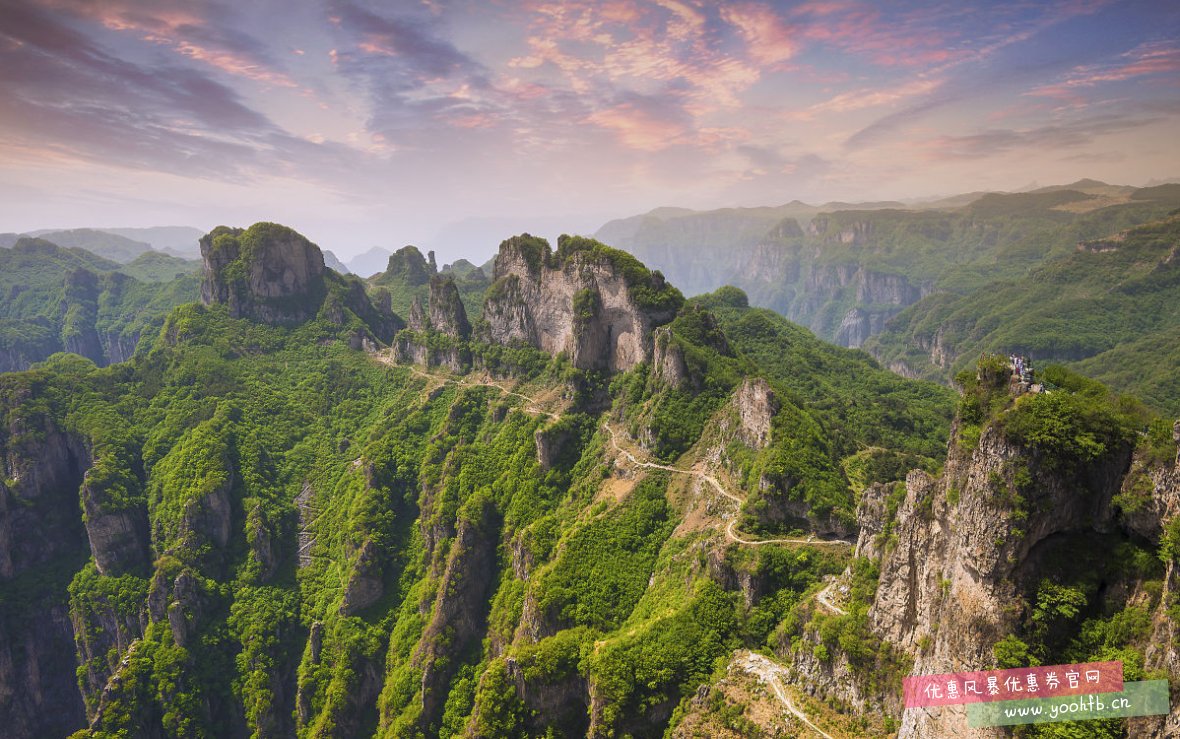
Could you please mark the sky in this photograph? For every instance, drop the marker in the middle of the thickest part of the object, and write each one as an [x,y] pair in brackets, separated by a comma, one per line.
[453,125]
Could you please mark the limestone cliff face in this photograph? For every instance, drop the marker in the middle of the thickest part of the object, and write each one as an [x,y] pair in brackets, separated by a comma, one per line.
[437,338]
[756,405]
[594,304]
[459,609]
[959,553]
[39,528]
[269,273]
[118,538]
[447,315]
[1162,652]
[667,365]
[80,311]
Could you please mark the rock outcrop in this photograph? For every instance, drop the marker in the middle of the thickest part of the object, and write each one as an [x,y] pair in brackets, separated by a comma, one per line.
[459,609]
[594,304]
[963,548]
[365,584]
[409,266]
[756,405]
[270,273]
[118,538]
[447,315]
[667,363]
[1162,652]
[40,532]
[80,311]
[437,337]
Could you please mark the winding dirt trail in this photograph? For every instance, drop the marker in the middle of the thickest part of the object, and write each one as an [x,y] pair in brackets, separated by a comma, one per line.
[756,664]
[730,530]
[768,672]
[533,406]
[823,597]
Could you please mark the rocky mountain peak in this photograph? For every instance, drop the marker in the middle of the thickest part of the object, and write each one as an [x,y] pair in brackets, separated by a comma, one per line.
[408,265]
[272,274]
[594,303]
[447,314]
[267,272]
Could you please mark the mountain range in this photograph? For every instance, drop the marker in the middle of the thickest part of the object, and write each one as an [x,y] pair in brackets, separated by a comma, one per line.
[886,276]
[552,496]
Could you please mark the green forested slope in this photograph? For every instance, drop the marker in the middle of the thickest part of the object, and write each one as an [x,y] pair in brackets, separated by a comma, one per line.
[54,299]
[256,528]
[1110,305]
[970,275]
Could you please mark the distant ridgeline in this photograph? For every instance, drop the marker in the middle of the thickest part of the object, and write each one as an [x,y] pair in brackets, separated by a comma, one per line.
[986,272]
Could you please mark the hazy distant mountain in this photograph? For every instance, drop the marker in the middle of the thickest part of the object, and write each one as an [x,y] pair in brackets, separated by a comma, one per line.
[158,266]
[8,239]
[103,243]
[181,241]
[331,261]
[369,263]
[844,272]
[695,248]
[55,298]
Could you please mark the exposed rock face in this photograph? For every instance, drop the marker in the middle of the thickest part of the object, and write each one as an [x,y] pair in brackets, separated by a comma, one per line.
[1162,652]
[949,582]
[209,518]
[184,613]
[447,315]
[554,444]
[460,609]
[561,704]
[365,586]
[437,338]
[80,309]
[667,363]
[268,273]
[38,692]
[272,274]
[118,539]
[418,320]
[39,525]
[586,301]
[858,325]
[756,405]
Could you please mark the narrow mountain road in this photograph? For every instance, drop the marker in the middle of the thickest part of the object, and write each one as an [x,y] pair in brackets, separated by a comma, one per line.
[823,597]
[768,672]
[730,530]
[756,664]
[533,406]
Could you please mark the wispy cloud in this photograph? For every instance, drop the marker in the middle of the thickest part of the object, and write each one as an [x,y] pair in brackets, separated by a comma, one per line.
[967,74]
[993,142]
[770,41]
[205,32]
[1146,60]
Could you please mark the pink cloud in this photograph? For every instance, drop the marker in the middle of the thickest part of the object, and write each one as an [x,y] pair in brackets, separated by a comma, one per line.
[173,27]
[864,98]
[770,40]
[635,44]
[637,128]
[1142,61]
